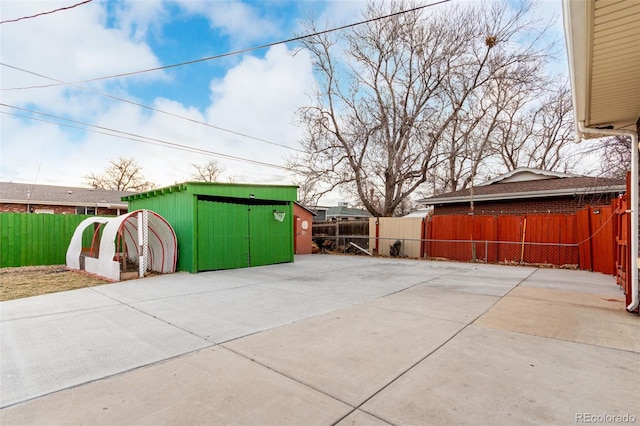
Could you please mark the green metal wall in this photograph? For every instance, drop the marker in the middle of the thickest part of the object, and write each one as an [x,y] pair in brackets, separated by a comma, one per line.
[214,227]
[178,208]
[38,239]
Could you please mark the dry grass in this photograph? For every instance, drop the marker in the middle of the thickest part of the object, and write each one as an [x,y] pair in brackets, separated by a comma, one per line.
[27,281]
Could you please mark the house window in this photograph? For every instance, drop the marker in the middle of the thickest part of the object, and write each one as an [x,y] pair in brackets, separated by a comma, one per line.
[43,211]
[86,210]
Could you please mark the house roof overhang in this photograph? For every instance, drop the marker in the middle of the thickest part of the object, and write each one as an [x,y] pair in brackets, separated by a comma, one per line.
[603,47]
[106,205]
[521,195]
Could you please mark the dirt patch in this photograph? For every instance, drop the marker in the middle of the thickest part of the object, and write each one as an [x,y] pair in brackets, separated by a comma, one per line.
[27,281]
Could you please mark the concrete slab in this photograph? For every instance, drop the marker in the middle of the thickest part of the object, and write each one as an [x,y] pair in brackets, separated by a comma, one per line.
[498,377]
[359,284]
[171,285]
[610,327]
[351,353]
[212,386]
[567,296]
[483,279]
[301,326]
[437,303]
[579,281]
[48,353]
[228,314]
[54,303]
[360,418]
[368,278]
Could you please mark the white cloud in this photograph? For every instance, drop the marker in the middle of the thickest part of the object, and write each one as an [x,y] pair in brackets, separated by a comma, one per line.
[138,18]
[69,45]
[257,96]
[233,18]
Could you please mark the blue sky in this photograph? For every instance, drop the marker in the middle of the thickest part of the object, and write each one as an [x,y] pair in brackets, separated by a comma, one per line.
[255,93]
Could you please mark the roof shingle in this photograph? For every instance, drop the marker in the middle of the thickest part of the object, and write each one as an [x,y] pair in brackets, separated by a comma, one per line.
[11,192]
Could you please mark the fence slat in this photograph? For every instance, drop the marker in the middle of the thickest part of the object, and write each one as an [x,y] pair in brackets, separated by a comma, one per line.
[36,239]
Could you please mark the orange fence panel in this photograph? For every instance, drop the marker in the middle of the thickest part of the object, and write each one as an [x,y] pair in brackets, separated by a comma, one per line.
[540,239]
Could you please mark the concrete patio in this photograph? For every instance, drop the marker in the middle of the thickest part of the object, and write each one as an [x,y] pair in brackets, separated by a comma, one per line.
[325,340]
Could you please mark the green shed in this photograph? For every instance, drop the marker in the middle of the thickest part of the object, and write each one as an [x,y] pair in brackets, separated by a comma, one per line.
[225,225]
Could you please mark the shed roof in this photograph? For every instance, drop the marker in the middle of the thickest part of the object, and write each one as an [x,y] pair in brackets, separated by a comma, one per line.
[306,208]
[218,189]
[27,193]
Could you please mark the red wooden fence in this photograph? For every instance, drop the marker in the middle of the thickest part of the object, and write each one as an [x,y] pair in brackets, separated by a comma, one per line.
[622,244]
[584,239]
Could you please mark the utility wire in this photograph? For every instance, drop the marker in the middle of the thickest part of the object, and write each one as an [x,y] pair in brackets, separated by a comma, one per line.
[46,13]
[154,109]
[133,136]
[233,53]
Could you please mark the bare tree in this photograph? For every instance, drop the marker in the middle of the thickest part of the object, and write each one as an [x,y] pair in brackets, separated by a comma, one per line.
[209,172]
[614,154]
[380,116]
[308,194]
[124,174]
[513,122]
[553,132]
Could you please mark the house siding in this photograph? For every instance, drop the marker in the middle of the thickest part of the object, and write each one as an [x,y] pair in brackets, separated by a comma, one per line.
[22,208]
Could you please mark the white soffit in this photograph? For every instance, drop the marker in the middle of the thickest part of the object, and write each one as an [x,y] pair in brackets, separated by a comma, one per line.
[603,43]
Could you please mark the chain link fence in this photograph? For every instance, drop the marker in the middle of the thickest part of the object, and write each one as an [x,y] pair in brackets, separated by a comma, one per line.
[502,252]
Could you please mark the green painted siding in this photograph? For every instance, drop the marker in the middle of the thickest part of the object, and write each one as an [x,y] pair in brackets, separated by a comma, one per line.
[178,208]
[212,228]
[38,239]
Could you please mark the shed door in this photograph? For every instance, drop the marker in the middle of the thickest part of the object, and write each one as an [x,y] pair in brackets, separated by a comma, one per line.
[270,240]
[223,235]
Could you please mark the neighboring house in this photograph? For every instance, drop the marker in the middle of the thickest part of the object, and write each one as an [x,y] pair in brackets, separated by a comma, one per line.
[320,213]
[29,198]
[303,228]
[528,191]
[340,212]
[344,212]
[423,212]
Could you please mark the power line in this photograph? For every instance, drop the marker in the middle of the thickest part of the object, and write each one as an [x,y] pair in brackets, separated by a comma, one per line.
[233,53]
[46,13]
[108,95]
[133,137]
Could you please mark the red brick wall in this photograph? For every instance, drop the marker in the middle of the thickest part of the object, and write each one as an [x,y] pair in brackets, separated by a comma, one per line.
[22,208]
[563,205]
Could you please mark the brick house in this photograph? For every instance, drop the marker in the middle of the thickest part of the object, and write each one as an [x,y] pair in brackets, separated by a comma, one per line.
[28,198]
[529,191]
